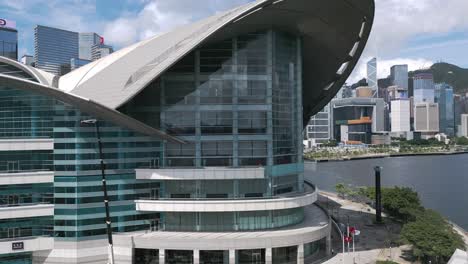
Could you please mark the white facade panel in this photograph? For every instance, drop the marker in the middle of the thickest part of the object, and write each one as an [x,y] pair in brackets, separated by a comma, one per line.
[29,245]
[26,144]
[426,117]
[26,211]
[241,205]
[400,116]
[208,173]
[26,177]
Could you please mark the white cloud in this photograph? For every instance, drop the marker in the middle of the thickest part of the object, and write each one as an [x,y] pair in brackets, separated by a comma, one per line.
[160,16]
[396,21]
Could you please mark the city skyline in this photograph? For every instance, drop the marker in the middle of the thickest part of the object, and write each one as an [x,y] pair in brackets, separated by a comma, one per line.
[418,44]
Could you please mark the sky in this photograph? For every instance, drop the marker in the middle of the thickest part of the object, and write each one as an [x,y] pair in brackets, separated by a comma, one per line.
[414,32]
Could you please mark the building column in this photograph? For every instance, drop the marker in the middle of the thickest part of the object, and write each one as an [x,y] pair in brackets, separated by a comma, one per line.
[196,256]
[268,256]
[162,256]
[232,256]
[300,254]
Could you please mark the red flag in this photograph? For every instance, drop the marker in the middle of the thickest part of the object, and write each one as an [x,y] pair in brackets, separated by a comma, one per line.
[348,239]
[352,230]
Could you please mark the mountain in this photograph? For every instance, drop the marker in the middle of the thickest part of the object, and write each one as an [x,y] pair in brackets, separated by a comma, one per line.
[448,73]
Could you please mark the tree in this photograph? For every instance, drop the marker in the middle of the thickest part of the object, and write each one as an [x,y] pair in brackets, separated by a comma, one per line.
[341,189]
[432,238]
[400,202]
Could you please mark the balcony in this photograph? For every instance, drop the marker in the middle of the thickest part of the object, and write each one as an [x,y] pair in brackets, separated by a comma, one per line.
[286,201]
[208,173]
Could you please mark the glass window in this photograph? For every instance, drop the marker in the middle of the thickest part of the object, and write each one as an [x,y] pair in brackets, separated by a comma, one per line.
[213,123]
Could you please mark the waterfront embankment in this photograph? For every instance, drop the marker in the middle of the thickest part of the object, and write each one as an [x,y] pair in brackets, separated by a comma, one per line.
[383,155]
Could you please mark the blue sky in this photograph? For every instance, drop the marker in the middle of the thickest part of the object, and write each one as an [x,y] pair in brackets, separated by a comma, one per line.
[416,32]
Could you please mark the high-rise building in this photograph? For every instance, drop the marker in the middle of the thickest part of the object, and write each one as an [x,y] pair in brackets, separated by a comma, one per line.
[372,75]
[458,106]
[364,91]
[85,42]
[355,119]
[318,129]
[76,63]
[8,39]
[464,125]
[400,115]
[423,85]
[444,97]
[100,51]
[54,48]
[426,118]
[27,60]
[399,76]
[201,133]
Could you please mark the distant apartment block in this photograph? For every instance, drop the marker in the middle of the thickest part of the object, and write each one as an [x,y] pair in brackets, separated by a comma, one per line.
[426,118]
[400,115]
[318,129]
[464,125]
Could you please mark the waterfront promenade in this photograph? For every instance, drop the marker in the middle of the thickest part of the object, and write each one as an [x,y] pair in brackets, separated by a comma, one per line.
[376,242]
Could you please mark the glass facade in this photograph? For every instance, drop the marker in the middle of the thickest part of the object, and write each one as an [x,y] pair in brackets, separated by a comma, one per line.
[231,221]
[237,104]
[9,43]
[53,49]
[444,97]
[76,190]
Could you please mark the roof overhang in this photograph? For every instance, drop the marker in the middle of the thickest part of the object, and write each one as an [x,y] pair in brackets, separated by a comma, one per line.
[334,35]
[87,106]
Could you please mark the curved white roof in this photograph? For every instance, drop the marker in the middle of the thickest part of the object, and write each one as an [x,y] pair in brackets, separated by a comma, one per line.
[334,35]
[85,105]
[36,75]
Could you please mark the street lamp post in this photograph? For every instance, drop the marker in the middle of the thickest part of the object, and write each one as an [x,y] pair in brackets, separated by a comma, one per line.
[104,188]
[378,196]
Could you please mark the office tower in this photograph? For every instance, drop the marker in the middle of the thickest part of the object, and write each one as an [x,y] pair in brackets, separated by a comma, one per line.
[372,75]
[426,119]
[399,76]
[85,42]
[100,50]
[444,97]
[464,125]
[355,119]
[76,63]
[318,128]
[423,85]
[27,60]
[53,49]
[364,92]
[458,105]
[8,39]
[396,92]
[400,115]
[201,134]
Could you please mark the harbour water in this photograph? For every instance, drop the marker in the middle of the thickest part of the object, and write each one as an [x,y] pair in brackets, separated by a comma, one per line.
[441,181]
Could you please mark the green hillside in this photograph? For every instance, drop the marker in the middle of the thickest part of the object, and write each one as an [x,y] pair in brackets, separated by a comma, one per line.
[448,73]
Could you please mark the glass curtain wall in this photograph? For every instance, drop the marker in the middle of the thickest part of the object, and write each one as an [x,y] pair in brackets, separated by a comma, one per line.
[79,211]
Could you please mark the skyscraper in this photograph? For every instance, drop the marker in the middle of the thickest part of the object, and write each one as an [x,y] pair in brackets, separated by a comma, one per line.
[423,85]
[53,49]
[86,42]
[444,97]
[318,131]
[372,74]
[400,115]
[426,119]
[8,39]
[100,50]
[399,76]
